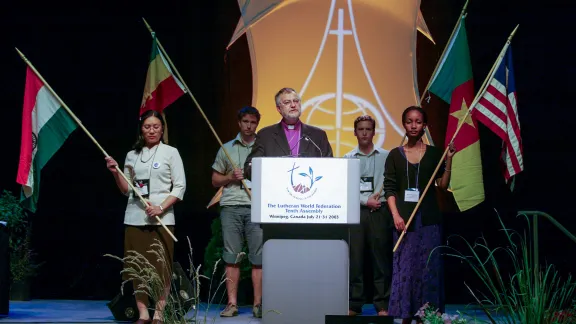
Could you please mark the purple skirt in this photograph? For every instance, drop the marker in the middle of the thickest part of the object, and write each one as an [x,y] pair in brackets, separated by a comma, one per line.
[418,277]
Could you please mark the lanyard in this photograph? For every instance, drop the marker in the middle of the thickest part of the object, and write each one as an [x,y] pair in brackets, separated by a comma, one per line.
[240,163]
[407,170]
[366,167]
[139,157]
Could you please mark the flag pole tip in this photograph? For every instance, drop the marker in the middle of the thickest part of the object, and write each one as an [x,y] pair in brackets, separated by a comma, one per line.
[20,53]
[464,8]
[514,31]
[147,25]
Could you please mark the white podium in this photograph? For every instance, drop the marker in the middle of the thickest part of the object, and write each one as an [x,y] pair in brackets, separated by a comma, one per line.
[305,207]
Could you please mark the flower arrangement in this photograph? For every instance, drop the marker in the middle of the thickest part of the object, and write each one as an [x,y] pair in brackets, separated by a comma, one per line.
[565,316]
[429,315]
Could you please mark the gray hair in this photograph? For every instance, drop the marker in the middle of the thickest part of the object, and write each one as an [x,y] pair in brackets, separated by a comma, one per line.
[283,91]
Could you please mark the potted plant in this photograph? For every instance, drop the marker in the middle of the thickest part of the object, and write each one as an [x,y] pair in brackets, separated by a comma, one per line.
[528,292]
[22,267]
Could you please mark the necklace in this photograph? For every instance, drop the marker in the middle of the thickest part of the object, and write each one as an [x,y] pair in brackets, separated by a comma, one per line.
[418,172]
[420,149]
[151,155]
[291,138]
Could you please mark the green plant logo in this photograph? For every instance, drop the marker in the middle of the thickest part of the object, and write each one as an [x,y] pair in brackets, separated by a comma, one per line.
[302,183]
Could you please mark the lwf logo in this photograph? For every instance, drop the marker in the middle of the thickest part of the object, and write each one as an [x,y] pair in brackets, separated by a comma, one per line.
[302,183]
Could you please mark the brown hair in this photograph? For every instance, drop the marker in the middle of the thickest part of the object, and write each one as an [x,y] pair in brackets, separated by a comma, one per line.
[365,118]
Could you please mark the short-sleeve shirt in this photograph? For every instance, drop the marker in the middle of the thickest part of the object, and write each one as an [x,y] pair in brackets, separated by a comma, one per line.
[233,193]
[163,166]
[371,165]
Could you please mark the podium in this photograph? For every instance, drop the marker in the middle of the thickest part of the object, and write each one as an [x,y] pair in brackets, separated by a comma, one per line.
[305,207]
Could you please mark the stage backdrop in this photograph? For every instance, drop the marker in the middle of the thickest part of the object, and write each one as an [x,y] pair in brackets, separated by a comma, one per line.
[345,58]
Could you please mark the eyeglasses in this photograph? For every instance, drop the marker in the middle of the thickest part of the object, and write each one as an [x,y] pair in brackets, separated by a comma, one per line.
[155,127]
[289,102]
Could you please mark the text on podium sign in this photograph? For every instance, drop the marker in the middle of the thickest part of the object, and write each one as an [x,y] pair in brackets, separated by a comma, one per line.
[304,190]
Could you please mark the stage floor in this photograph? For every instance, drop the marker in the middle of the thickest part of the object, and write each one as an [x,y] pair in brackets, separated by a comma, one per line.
[84,311]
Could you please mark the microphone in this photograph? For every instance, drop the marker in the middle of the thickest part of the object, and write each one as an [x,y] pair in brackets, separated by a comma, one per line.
[306,137]
[293,146]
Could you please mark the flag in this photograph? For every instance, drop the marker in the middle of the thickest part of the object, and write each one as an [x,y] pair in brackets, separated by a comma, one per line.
[216,198]
[252,12]
[45,127]
[423,28]
[162,87]
[453,83]
[497,110]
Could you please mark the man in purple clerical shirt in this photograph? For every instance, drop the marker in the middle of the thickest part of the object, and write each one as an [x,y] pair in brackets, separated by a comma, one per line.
[289,106]
[289,137]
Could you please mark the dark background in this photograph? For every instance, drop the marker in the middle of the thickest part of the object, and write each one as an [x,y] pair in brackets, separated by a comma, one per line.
[95,55]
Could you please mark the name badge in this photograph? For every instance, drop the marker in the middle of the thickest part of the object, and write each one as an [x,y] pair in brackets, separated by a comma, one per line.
[366,184]
[248,184]
[143,187]
[411,195]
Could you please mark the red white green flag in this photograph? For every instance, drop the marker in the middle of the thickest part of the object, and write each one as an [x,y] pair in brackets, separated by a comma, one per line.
[453,83]
[162,87]
[45,127]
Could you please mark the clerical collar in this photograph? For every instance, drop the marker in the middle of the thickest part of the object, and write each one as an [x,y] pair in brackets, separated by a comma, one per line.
[291,127]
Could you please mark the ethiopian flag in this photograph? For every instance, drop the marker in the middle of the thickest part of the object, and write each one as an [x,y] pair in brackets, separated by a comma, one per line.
[453,83]
[45,127]
[162,87]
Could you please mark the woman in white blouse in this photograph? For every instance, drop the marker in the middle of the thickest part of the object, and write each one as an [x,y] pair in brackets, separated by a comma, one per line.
[156,170]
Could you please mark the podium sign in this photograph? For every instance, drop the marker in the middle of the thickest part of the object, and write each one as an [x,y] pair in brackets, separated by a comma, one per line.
[305,190]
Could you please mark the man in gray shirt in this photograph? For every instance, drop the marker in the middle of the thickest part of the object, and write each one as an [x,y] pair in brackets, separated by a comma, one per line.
[235,212]
[374,233]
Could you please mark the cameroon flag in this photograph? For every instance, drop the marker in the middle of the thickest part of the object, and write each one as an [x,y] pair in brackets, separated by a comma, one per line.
[453,83]
[162,86]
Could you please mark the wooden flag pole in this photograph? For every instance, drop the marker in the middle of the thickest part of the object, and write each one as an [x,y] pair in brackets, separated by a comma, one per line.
[462,15]
[165,135]
[460,124]
[492,71]
[89,135]
[197,105]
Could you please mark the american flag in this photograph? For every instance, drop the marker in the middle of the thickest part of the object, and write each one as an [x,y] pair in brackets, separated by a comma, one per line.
[498,111]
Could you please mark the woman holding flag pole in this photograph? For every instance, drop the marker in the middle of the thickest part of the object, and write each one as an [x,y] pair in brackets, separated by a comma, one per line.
[417,276]
[157,172]
[411,279]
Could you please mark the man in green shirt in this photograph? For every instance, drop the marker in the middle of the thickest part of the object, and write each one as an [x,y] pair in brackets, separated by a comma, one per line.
[235,212]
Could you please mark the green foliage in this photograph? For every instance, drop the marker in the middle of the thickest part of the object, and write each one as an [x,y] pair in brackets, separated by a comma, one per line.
[530,294]
[214,250]
[21,256]
[137,267]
